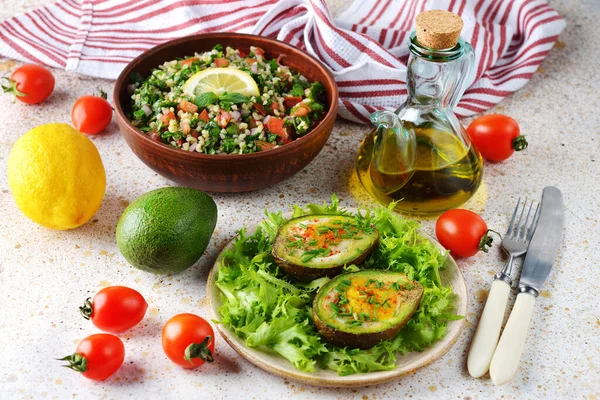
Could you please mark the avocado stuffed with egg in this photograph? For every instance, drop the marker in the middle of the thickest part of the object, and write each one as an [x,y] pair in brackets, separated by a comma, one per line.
[360,309]
[314,246]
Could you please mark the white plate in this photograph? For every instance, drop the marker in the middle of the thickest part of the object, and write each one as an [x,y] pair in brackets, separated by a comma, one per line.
[407,363]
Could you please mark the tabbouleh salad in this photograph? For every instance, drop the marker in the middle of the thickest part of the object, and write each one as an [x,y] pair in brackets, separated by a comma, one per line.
[288,106]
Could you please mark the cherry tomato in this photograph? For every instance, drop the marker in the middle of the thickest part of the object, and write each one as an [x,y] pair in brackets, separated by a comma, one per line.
[462,232]
[496,136]
[91,114]
[188,340]
[97,357]
[115,309]
[30,83]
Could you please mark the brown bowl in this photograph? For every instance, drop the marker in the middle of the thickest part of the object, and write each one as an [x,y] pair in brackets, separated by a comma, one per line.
[226,173]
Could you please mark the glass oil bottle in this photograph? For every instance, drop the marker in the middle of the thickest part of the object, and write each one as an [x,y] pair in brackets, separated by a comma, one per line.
[420,155]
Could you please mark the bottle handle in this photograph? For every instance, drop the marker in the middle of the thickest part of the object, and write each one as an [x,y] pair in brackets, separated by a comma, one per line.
[388,123]
[465,74]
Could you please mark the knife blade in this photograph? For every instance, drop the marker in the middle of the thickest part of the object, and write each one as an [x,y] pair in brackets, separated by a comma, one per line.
[536,268]
[544,243]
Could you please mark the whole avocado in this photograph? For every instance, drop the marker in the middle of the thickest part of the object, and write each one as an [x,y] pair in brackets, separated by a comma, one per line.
[167,230]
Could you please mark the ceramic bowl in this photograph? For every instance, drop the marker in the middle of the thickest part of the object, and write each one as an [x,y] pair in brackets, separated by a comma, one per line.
[226,173]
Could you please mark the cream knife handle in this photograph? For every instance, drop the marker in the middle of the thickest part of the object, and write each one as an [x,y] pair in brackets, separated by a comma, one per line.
[488,331]
[508,353]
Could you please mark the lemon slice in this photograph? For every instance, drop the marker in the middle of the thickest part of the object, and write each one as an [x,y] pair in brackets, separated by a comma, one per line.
[220,80]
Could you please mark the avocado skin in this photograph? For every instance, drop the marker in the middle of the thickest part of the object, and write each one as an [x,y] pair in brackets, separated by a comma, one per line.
[166,230]
[364,340]
[307,274]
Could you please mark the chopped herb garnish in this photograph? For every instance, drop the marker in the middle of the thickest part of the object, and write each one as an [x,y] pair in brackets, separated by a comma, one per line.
[323,229]
[354,323]
[310,254]
[343,285]
[301,225]
[335,307]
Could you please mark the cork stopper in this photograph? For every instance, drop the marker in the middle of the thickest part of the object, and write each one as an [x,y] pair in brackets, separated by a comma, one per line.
[438,29]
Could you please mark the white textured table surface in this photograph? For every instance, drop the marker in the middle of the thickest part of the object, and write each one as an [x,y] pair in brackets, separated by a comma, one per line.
[45,275]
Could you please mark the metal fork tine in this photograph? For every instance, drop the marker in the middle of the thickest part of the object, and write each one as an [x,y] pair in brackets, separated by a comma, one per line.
[512,220]
[533,222]
[518,226]
[523,228]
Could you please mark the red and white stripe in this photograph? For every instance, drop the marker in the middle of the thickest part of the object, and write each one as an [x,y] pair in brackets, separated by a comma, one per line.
[365,47]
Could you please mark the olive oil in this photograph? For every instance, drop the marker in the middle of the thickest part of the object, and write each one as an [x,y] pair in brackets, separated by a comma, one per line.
[445,174]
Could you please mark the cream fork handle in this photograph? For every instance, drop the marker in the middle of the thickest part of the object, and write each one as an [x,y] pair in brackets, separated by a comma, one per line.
[488,330]
[507,356]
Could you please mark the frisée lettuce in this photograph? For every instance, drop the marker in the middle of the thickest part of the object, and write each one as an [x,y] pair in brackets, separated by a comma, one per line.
[273,312]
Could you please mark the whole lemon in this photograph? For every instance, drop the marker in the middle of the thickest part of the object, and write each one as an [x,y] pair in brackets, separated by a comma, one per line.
[56,176]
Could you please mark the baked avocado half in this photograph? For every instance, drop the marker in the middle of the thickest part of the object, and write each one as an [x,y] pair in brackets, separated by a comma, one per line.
[313,246]
[361,309]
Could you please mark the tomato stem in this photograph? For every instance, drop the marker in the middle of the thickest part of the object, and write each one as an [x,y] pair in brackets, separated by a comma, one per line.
[77,362]
[519,143]
[11,87]
[200,350]
[486,240]
[86,309]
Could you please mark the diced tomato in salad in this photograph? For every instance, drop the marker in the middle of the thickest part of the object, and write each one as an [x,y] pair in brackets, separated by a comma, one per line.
[221,62]
[204,115]
[275,125]
[167,117]
[290,102]
[223,118]
[301,111]
[260,108]
[187,106]
[188,61]
[262,145]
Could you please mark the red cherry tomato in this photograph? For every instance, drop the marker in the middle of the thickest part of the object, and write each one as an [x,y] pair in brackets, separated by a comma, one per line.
[462,232]
[97,357]
[30,83]
[188,340]
[115,309]
[496,136]
[91,114]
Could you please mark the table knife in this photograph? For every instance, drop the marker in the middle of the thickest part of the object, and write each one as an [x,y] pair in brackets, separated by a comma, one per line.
[536,268]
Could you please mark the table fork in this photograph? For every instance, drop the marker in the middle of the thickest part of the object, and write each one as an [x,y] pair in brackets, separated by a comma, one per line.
[515,243]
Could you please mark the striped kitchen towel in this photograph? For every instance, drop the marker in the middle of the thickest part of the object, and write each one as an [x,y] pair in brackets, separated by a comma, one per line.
[365,46]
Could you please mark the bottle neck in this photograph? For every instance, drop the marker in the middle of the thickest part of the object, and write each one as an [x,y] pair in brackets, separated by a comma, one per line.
[435,77]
